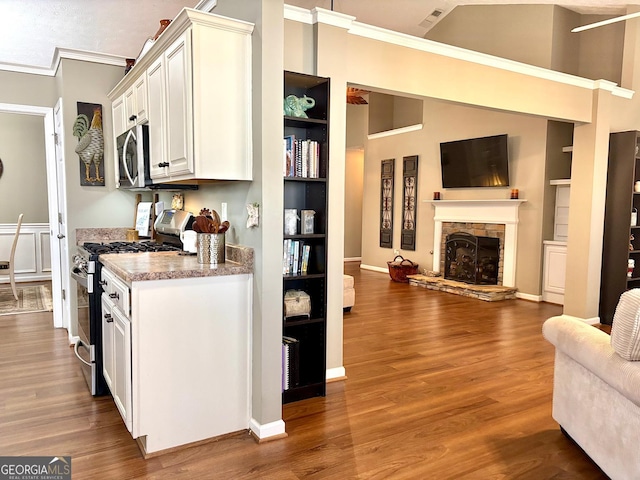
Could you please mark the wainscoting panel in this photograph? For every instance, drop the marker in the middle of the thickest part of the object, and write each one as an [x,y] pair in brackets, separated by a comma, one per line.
[45,250]
[33,254]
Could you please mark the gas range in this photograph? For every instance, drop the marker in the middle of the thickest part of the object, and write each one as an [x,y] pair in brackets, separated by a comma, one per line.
[86,272]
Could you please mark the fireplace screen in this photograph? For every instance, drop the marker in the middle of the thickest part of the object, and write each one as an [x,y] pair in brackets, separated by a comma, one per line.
[472,259]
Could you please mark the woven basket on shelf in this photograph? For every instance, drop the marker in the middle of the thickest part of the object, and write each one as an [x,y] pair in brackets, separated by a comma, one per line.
[398,270]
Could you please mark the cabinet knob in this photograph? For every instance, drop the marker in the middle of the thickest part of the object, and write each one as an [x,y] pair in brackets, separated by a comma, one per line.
[114,295]
[163,164]
[108,318]
[132,118]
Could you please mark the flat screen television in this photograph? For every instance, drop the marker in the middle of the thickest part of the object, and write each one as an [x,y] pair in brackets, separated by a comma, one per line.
[475,162]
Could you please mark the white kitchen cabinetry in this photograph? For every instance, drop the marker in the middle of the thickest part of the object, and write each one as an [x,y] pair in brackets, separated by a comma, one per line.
[199,99]
[179,366]
[561,210]
[172,76]
[117,112]
[156,89]
[116,343]
[191,359]
[554,271]
[135,102]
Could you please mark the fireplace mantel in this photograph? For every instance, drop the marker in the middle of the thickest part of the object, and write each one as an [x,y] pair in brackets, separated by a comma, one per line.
[501,211]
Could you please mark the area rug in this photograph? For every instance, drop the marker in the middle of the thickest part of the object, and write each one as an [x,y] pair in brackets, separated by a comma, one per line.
[31,298]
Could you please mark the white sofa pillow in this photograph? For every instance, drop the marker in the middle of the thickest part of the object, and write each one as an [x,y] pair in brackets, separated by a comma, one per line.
[625,331]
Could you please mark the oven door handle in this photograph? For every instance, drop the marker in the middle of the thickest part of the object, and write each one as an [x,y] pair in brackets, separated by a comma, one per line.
[83,280]
[75,349]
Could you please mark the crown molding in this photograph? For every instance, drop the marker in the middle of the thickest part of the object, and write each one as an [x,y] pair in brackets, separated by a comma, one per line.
[329,17]
[298,14]
[206,5]
[65,53]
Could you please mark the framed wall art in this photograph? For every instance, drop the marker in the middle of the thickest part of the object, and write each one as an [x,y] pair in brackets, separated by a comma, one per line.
[386,203]
[90,149]
[409,204]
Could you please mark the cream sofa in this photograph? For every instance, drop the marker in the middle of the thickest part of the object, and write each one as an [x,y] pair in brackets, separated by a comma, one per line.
[348,293]
[596,392]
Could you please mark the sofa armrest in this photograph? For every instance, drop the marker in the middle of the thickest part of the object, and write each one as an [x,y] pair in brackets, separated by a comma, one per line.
[592,349]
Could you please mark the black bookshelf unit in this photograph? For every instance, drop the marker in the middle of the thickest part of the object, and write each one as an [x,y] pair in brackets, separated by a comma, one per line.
[306,189]
[622,199]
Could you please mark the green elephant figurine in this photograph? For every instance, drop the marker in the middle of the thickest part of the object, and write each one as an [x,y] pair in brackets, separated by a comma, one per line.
[295,107]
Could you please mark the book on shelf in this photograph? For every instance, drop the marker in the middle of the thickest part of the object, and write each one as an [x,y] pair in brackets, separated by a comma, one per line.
[301,158]
[290,363]
[306,249]
[295,257]
[288,158]
[295,253]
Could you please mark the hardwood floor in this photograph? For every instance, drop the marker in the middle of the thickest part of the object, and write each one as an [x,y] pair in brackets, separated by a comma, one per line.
[439,387]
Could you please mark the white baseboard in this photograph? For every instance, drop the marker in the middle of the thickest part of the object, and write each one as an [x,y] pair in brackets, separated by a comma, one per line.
[374,269]
[591,321]
[73,339]
[551,297]
[528,296]
[353,259]
[268,430]
[337,372]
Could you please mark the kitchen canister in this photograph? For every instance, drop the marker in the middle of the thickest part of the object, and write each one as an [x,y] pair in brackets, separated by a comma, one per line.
[634,217]
[210,248]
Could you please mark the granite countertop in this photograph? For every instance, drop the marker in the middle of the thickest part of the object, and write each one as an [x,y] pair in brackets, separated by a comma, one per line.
[134,267]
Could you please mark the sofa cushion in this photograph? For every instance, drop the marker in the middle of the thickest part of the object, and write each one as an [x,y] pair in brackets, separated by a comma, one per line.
[625,331]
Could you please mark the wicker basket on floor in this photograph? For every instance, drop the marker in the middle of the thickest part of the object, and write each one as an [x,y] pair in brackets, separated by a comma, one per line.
[399,269]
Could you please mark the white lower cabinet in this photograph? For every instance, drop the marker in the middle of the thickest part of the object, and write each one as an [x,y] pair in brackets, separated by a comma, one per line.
[122,366]
[179,367]
[108,368]
[116,343]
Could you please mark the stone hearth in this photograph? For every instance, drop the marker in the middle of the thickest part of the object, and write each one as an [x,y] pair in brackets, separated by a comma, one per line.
[488,293]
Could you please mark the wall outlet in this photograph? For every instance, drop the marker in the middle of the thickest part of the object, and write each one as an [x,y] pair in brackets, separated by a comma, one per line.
[223,212]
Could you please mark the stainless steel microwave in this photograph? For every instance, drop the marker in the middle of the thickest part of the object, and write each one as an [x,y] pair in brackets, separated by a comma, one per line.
[133,154]
[134,161]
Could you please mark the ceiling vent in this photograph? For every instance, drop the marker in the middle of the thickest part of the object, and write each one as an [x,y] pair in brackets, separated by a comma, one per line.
[431,19]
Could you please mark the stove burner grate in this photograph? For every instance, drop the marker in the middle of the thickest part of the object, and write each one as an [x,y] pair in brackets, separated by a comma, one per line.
[128,247]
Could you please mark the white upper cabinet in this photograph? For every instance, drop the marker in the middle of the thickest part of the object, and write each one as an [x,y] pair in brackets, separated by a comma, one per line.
[197,82]
[179,128]
[156,112]
[117,112]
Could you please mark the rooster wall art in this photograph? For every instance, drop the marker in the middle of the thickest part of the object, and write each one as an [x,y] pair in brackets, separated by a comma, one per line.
[90,146]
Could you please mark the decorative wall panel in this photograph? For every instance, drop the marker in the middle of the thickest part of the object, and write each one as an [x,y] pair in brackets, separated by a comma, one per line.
[409,205]
[386,203]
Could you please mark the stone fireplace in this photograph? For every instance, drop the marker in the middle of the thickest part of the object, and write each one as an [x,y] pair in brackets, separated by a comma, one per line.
[483,218]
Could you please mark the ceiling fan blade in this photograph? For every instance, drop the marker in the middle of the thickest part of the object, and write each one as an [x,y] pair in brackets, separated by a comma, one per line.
[606,22]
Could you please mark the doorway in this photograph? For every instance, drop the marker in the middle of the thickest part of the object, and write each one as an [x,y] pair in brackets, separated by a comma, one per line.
[56,201]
